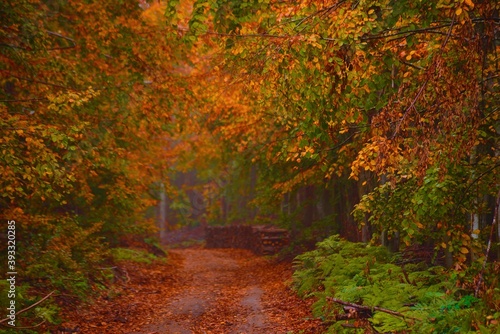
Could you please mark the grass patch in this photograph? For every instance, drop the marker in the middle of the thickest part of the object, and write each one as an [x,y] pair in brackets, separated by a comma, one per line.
[134,255]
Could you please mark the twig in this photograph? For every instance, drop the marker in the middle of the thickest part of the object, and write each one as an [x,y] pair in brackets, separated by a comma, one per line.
[371,308]
[412,65]
[412,106]
[14,46]
[30,307]
[321,12]
[26,327]
[481,274]
[24,100]
[71,40]
[258,35]
[397,32]
[407,278]
[43,82]
[123,272]
[424,85]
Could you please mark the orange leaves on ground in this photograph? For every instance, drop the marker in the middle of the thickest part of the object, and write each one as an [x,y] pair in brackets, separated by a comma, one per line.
[211,291]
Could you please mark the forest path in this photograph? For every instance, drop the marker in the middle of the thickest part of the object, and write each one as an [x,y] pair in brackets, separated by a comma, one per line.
[218,292]
[213,291]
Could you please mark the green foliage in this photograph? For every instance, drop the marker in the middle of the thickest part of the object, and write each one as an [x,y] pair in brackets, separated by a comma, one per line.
[439,203]
[67,259]
[134,255]
[50,313]
[427,298]
[47,311]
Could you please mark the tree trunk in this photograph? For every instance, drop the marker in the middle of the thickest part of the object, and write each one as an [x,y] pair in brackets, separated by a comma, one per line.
[162,212]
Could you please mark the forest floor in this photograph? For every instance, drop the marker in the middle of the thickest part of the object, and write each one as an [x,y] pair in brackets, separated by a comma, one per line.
[199,290]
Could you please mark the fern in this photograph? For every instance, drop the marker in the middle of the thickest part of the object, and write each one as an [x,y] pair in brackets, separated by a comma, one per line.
[427,298]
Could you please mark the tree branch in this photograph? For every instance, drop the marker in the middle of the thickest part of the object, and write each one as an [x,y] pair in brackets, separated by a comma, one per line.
[424,85]
[43,82]
[24,100]
[393,33]
[71,40]
[26,327]
[29,307]
[370,308]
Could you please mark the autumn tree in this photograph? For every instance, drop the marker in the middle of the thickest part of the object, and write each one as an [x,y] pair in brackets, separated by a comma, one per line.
[87,96]
[398,95]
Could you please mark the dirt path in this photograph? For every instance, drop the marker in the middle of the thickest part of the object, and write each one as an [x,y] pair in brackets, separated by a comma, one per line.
[221,291]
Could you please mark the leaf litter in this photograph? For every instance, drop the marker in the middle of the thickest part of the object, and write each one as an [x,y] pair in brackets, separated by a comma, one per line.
[212,291]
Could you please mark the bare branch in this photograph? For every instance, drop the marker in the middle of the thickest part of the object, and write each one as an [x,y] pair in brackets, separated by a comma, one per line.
[71,40]
[26,327]
[29,307]
[424,85]
[24,100]
[43,82]
[371,308]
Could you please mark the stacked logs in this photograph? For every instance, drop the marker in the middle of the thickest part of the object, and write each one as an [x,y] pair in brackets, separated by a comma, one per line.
[262,240]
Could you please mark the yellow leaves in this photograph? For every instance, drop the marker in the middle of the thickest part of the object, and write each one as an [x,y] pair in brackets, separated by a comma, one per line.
[461,10]
[469,3]
[379,156]
[68,100]
[344,130]
[344,127]
[331,123]
[292,157]
[307,149]
[313,41]
[237,50]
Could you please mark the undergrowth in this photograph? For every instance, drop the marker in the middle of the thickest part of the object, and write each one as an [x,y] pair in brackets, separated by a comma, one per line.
[72,263]
[411,298]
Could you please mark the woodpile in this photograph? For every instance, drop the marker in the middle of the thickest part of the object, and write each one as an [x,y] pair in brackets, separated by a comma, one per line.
[262,240]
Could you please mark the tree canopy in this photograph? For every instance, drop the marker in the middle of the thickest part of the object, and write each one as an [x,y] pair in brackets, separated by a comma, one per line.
[400,96]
